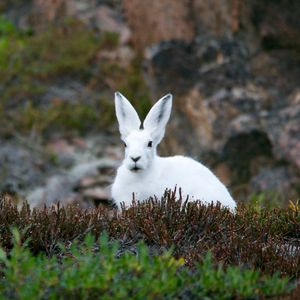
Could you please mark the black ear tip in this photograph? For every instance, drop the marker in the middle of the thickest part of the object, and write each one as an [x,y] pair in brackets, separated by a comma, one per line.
[119,96]
[168,96]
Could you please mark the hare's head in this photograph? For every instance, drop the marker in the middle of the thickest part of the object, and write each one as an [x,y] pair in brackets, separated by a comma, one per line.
[141,139]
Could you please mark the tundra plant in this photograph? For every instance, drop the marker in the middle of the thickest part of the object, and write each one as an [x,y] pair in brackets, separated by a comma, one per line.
[96,270]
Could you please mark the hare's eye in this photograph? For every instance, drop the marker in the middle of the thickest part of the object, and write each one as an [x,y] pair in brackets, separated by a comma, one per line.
[125,145]
[150,144]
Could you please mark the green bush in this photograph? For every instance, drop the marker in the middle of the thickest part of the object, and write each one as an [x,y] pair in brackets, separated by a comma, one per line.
[92,270]
[32,62]
[73,117]
[65,49]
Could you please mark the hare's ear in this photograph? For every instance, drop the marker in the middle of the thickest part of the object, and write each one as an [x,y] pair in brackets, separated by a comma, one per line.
[127,116]
[158,117]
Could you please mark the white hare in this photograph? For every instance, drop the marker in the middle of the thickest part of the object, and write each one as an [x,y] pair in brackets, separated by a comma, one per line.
[145,174]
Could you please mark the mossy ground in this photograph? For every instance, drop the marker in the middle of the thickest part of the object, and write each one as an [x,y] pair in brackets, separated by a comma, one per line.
[31,62]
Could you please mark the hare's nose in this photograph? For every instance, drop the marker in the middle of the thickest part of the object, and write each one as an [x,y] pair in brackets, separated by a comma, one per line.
[135,159]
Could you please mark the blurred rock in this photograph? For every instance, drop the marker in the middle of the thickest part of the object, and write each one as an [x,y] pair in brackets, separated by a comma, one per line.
[277,23]
[215,17]
[280,180]
[106,19]
[76,186]
[64,170]
[96,181]
[178,66]
[22,165]
[237,109]
[259,22]
[67,91]
[123,55]
[171,66]
[155,21]
[41,13]
[223,172]
[284,131]
[96,194]
[45,12]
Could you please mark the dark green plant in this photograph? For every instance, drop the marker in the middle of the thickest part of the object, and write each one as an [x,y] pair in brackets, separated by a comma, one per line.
[92,270]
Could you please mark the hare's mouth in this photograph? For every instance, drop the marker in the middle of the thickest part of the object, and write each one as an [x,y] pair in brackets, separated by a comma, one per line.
[135,169]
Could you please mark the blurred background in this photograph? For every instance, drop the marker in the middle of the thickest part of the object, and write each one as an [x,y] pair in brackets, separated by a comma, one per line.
[233,67]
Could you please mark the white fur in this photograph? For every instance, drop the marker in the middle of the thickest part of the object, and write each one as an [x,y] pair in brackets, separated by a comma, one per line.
[154,174]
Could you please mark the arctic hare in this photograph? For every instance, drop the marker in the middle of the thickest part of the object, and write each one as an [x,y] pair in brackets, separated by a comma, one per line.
[145,174]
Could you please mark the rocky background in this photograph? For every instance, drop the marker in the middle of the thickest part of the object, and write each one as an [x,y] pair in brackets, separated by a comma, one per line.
[233,67]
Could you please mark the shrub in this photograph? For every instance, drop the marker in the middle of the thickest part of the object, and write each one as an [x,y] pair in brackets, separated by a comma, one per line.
[97,271]
[267,240]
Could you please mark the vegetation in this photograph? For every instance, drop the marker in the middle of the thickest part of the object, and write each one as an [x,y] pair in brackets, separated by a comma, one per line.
[71,117]
[97,271]
[30,63]
[213,252]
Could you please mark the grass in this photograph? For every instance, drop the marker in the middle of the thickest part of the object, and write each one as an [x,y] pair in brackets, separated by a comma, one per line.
[71,117]
[31,62]
[65,49]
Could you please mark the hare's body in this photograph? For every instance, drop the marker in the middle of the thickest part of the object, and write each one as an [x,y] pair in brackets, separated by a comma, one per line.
[145,174]
[194,179]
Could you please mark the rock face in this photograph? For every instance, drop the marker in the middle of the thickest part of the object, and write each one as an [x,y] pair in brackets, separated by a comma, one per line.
[104,16]
[87,184]
[238,110]
[65,170]
[233,67]
[162,20]
[260,22]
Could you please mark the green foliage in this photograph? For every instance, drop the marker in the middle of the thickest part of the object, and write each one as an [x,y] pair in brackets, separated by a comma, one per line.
[11,43]
[267,241]
[220,283]
[129,81]
[32,62]
[68,48]
[91,270]
[135,89]
[61,50]
[77,117]
[27,62]
[265,200]
[6,28]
